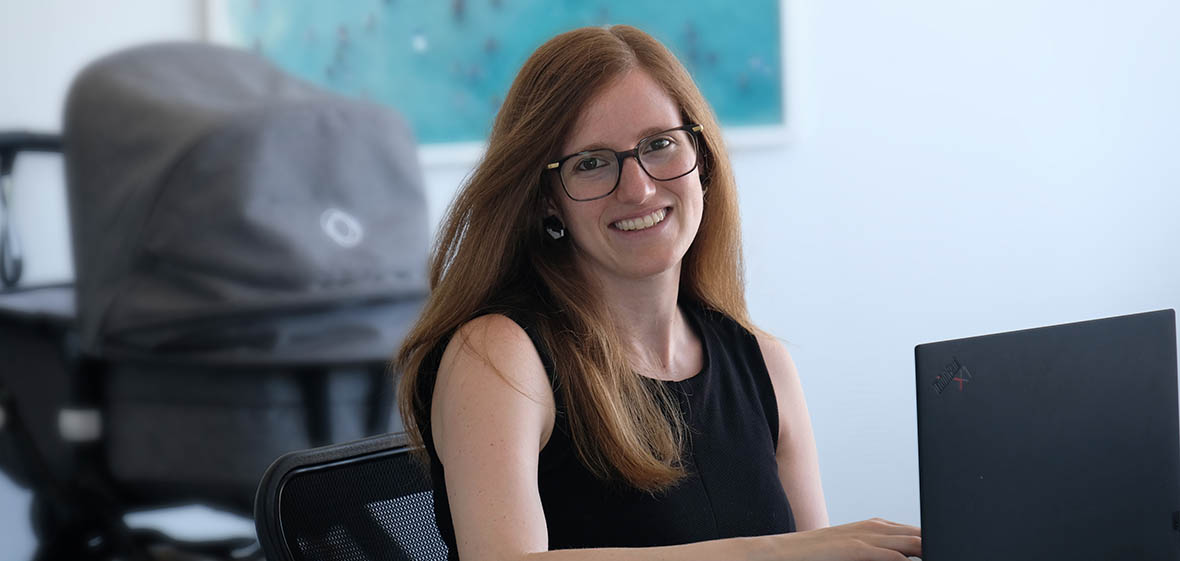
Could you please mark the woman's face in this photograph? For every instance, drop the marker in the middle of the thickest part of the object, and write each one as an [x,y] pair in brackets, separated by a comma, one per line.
[611,232]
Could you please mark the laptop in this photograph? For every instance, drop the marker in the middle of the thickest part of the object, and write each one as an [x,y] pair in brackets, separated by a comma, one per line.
[1054,443]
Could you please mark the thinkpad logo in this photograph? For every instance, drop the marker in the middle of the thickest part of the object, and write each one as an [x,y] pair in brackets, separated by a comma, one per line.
[951,373]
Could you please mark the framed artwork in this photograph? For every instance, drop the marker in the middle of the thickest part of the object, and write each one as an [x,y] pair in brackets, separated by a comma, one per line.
[446,65]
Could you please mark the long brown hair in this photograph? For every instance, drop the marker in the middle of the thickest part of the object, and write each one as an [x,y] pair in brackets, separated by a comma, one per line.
[491,251]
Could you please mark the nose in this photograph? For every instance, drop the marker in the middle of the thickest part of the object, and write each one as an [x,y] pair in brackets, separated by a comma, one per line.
[635,185]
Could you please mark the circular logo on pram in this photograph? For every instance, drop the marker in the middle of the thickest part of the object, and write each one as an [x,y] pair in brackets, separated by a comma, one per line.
[342,227]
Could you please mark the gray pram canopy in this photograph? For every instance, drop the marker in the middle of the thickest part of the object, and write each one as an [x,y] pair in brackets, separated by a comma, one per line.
[223,208]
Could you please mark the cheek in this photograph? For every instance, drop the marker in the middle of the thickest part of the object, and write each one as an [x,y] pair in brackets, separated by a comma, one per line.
[693,199]
[692,193]
[579,217]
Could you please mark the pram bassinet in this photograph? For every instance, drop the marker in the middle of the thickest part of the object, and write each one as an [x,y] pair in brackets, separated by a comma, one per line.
[249,251]
[205,185]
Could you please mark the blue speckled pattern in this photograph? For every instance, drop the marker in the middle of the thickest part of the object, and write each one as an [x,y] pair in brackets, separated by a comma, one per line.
[448,65]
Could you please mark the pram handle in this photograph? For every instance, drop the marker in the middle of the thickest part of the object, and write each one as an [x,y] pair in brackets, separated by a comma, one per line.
[12,143]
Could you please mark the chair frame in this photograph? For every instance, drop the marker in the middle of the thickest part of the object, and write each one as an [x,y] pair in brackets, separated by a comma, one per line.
[268,502]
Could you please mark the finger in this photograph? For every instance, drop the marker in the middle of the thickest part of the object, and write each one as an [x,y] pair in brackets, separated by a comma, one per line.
[893,528]
[906,545]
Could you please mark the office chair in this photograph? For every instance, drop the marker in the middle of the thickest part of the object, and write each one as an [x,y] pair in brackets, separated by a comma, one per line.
[363,500]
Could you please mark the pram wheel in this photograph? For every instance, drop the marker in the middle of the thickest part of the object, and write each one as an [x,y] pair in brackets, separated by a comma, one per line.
[74,533]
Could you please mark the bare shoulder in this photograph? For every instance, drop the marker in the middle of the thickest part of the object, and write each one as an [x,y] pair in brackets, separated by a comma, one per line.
[797,457]
[494,344]
[491,414]
[778,360]
[788,389]
[491,376]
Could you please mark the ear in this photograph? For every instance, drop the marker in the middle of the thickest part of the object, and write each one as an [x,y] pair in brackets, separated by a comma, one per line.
[550,207]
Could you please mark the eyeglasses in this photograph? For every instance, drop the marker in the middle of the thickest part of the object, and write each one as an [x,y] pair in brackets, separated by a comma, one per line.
[663,156]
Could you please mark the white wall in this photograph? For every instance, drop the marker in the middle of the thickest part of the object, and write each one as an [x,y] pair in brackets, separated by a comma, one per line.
[955,168]
[43,44]
[959,168]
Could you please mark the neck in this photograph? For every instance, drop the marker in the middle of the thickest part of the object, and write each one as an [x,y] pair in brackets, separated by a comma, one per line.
[651,324]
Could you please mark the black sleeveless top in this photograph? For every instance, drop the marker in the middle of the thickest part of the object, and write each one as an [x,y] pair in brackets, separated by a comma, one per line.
[732,488]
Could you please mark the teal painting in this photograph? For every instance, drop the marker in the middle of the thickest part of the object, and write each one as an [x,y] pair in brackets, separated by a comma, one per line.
[446,65]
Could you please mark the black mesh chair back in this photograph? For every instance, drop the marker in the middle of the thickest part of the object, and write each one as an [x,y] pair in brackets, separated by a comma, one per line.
[364,500]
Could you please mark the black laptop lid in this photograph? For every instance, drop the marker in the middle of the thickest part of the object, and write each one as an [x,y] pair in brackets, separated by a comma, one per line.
[1053,443]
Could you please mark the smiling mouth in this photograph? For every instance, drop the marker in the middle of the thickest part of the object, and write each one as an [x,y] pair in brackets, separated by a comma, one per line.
[643,222]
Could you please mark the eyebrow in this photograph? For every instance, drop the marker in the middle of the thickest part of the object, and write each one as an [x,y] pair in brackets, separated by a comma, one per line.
[642,135]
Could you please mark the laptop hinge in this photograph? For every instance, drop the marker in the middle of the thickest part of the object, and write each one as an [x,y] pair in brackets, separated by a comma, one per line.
[1176,521]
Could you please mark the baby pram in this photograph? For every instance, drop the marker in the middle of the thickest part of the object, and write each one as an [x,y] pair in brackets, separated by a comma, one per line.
[249,251]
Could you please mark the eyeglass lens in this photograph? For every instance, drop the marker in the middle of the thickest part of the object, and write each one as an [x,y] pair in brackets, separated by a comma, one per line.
[664,156]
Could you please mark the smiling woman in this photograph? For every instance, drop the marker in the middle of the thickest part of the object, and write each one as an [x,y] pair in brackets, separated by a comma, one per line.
[585,375]
[628,221]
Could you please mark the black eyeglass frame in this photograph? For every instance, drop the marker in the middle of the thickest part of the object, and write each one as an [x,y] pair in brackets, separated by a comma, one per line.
[692,128]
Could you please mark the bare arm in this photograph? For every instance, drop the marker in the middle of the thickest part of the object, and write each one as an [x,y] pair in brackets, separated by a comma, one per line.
[798,461]
[493,411]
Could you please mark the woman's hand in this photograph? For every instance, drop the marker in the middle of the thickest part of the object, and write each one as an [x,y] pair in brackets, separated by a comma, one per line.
[869,540]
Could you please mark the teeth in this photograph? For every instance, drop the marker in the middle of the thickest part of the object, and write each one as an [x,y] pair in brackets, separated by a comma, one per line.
[642,223]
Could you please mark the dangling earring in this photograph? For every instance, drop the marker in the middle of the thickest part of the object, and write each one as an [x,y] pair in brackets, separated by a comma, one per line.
[554,227]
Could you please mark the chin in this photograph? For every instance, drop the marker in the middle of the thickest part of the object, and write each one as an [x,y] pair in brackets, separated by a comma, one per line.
[649,267]
[640,263]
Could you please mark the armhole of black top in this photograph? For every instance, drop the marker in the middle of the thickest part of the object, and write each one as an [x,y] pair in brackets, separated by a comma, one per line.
[762,377]
[761,372]
[557,449]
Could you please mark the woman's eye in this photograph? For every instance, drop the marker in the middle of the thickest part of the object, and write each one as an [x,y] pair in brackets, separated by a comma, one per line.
[658,144]
[589,164]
